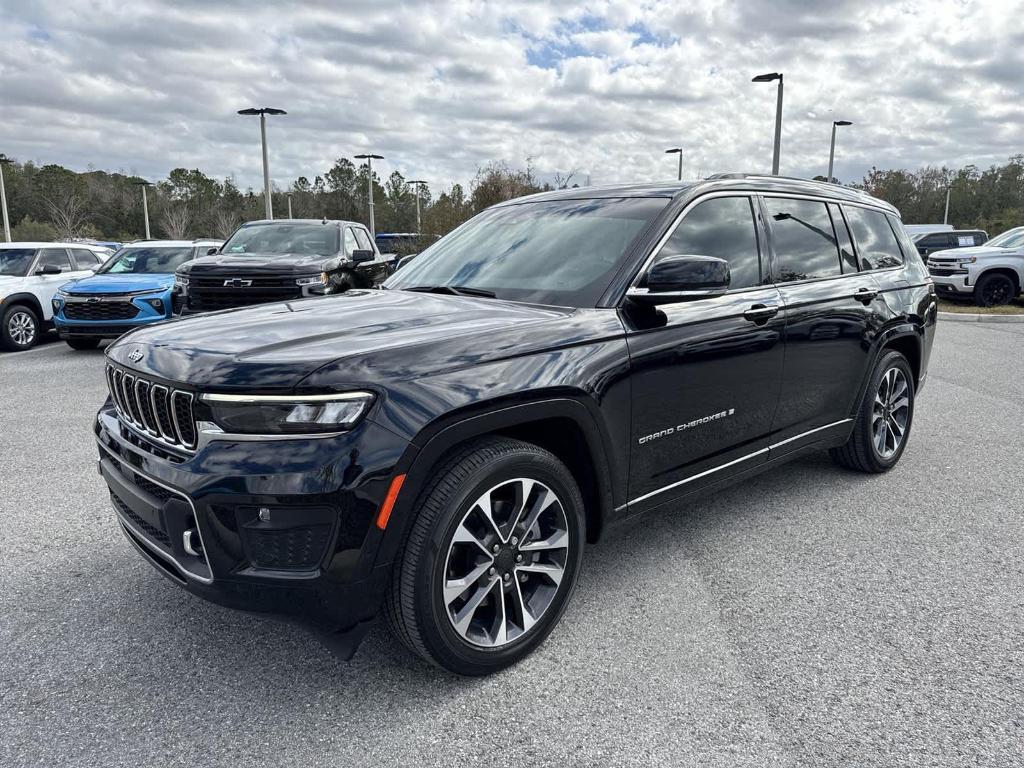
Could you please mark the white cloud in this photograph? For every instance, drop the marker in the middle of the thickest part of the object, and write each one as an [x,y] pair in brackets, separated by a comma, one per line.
[440,89]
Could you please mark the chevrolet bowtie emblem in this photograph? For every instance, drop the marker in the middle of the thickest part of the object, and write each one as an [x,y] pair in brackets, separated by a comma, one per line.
[237,283]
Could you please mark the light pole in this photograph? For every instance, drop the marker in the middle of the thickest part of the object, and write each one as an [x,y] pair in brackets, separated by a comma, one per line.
[418,182]
[263,112]
[778,117]
[145,203]
[289,197]
[369,184]
[677,151]
[4,160]
[832,147]
[945,216]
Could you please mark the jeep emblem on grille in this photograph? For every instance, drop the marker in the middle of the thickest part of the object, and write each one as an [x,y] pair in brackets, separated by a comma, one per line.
[237,283]
[135,355]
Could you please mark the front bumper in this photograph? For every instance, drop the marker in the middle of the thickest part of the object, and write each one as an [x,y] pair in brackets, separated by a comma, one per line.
[312,554]
[959,283]
[111,323]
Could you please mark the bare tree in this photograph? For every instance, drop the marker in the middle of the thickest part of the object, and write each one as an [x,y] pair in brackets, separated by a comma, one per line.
[562,180]
[175,218]
[68,212]
[226,222]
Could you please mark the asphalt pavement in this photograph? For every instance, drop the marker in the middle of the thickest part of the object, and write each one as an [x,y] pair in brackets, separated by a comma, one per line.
[809,617]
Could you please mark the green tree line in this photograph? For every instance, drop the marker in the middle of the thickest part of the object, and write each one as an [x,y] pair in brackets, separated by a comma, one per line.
[52,202]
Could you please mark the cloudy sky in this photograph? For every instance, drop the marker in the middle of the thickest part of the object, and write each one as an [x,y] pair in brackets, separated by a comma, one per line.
[442,88]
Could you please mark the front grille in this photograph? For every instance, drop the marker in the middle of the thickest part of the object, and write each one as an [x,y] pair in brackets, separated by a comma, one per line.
[157,534]
[95,330]
[300,547]
[945,271]
[210,293]
[163,413]
[100,310]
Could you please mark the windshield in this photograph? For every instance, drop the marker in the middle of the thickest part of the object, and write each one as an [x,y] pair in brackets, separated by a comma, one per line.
[14,262]
[146,261]
[562,252]
[279,239]
[1011,238]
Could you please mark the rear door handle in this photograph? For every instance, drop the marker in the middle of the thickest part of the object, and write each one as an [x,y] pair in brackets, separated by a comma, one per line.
[761,313]
[865,295]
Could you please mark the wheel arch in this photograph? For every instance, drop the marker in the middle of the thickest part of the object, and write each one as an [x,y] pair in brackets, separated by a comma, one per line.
[25,299]
[1008,271]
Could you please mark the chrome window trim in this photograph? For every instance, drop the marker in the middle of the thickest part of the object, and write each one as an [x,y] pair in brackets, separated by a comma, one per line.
[728,464]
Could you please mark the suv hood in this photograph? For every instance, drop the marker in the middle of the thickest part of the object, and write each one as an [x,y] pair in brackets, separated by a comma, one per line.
[371,336]
[978,251]
[124,283]
[238,264]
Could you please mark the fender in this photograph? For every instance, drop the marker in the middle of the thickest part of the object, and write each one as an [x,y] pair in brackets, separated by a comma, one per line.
[438,438]
[25,298]
[903,329]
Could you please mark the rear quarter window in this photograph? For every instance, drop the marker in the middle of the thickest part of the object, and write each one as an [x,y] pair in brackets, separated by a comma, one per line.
[876,243]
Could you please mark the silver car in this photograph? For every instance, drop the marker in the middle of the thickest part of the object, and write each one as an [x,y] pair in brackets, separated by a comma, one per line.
[990,274]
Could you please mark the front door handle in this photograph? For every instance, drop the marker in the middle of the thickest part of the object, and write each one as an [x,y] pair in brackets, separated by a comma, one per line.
[865,295]
[761,313]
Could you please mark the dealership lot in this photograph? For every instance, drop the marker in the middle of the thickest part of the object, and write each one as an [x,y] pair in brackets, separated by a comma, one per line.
[811,616]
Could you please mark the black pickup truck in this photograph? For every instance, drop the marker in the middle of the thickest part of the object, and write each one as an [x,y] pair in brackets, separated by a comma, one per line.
[439,451]
[280,260]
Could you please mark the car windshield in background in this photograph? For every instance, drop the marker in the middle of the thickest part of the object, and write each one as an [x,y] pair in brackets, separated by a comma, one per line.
[279,239]
[1013,238]
[14,262]
[562,252]
[147,261]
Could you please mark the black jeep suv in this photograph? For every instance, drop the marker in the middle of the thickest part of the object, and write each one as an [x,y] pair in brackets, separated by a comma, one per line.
[439,451]
[280,260]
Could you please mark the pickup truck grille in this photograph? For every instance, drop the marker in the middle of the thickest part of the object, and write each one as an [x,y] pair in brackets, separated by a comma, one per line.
[212,293]
[163,413]
[100,310]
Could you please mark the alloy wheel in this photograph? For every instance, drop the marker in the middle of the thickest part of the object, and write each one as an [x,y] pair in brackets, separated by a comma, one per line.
[21,327]
[505,562]
[891,412]
[997,291]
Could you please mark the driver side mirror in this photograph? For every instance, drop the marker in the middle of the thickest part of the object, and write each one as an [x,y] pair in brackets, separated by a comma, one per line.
[361,256]
[48,269]
[681,278]
[212,251]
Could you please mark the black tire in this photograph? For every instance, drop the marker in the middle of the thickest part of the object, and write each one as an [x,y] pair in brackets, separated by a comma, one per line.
[415,609]
[861,451]
[83,343]
[994,289]
[19,328]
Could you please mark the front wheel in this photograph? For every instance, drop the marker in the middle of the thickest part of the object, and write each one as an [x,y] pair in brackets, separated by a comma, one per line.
[882,425]
[491,560]
[83,343]
[19,328]
[994,289]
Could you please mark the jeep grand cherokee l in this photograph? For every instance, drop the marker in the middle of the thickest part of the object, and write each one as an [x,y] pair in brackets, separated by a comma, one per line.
[279,260]
[439,451]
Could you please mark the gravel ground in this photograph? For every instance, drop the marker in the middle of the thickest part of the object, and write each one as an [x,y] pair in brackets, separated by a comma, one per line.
[810,617]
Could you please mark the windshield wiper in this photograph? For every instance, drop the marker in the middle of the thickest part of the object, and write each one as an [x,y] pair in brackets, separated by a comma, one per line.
[454,290]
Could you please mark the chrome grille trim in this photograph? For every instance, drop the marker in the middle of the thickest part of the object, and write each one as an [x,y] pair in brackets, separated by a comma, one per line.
[140,402]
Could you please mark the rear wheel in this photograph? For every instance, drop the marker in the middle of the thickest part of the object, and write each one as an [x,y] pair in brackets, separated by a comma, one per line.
[83,343]
[994,289]
[882,425]
[491,560]
[19,328]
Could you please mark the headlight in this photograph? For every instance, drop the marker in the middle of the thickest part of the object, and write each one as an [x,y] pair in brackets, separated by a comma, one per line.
[181,280]
[320,279]
[968,260]
[62,294]
[288,414]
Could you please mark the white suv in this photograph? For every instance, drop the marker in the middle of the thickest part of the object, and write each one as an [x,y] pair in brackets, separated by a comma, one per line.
[30,274]
[991,274]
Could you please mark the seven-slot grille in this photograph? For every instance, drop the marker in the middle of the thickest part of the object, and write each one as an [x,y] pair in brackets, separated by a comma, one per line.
[161,412]
[100,310]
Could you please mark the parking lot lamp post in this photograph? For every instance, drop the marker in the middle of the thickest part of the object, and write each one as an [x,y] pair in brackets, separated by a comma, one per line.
[945,216]
[145,204]
[369,184]
[677,151]
[418,182]
[778,117]
[4,160]
[289,198]
[263,112]
[832,147]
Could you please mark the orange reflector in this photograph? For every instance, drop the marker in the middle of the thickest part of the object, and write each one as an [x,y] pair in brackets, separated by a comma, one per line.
[389,501]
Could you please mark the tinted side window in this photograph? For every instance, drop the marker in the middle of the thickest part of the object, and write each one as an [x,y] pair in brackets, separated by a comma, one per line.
[805,243]
[55,256]
[350,241]
[846,254]
[934,241]
[722,227]
[84,259]
[877,246]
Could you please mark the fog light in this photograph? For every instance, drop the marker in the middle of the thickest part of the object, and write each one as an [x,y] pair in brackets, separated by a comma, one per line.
[157,304]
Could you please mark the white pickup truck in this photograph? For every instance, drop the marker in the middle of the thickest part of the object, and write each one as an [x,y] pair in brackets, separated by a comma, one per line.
[991,274]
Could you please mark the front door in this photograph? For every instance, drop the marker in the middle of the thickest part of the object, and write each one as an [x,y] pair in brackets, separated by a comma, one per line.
[706,373]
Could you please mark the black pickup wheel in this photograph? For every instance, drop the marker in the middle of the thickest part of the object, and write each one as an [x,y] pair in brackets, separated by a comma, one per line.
[491,560]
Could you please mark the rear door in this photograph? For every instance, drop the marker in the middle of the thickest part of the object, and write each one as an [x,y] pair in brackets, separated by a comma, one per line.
[831,315]
[705,373]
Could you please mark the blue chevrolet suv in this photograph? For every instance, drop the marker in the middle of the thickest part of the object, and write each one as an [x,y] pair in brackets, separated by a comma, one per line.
[134,287]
